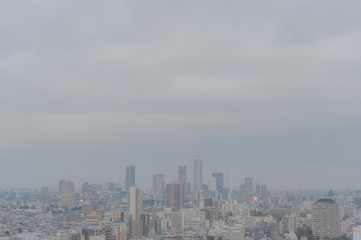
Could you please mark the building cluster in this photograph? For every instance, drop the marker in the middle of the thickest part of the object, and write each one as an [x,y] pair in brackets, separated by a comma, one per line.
[175,210]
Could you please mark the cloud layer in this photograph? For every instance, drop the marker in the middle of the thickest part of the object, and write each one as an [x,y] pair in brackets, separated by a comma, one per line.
[271,89]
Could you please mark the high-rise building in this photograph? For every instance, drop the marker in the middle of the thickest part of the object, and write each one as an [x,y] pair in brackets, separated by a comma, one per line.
[129,177]
[326,219]
[158,187]
[242,193]
[135,202]
[182,177]
[67,191]
[263,190]
[156,225]
[213,185]
[248,186]
[137,229]
[258,189]
[145,219]
[219,181]
[174,193]
[122,232]
[197,172]
[108,232]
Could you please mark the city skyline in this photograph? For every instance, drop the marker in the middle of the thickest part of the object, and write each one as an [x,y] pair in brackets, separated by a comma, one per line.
[180,120]
[172,179]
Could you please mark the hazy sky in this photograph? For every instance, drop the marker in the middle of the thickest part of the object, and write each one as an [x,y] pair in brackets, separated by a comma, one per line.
[269,88]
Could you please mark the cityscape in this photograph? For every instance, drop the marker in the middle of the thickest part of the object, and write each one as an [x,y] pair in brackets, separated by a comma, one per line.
[180,120]
[184,208]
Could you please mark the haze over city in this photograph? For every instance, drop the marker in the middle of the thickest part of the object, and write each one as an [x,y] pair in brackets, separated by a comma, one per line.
[268,89]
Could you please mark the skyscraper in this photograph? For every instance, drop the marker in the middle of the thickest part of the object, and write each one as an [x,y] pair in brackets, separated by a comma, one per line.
[326,219]
[219,181]
[145,219]
[129,177]
[137,229]
[258,189]
[263,189]
[248,187]
[182,177]
[135,202]
[158,187]
[67,190]
[174,193]
[197,171]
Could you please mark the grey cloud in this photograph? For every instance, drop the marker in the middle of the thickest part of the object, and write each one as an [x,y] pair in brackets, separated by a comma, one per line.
[109,81]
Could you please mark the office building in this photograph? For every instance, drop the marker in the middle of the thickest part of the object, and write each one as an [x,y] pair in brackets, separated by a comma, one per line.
[137,229]
[129,177]
[263,190]
[174,193]
[242,191]
[213,185]
[158,187]
[122,232]
[182,177]
[248,186]
[326,219]
[145,219]
[258,189]
[135,202]
[219,181]
[67,191]
[157,225]
[197,172]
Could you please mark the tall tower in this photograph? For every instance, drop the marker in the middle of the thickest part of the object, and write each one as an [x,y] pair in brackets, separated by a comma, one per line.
[182,177]
[174,194]
[135,202]
[258,189]
[326,219]
[158,187]
[197,171]
[129,177]
[219,181]
[137,229]
[67,190]
[248,186]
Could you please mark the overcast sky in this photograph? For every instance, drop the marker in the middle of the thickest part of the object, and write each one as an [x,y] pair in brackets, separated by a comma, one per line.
[270,89]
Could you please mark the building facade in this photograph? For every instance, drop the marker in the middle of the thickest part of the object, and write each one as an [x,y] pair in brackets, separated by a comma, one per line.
[67,191]
[197,172]
[129,177]
[326,219]
[248,187]
[158,187]
[219,181]
[182,177]
[174,193]
[135,202]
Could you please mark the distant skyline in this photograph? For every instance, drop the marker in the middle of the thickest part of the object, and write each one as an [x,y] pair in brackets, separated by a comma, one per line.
[271,89]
